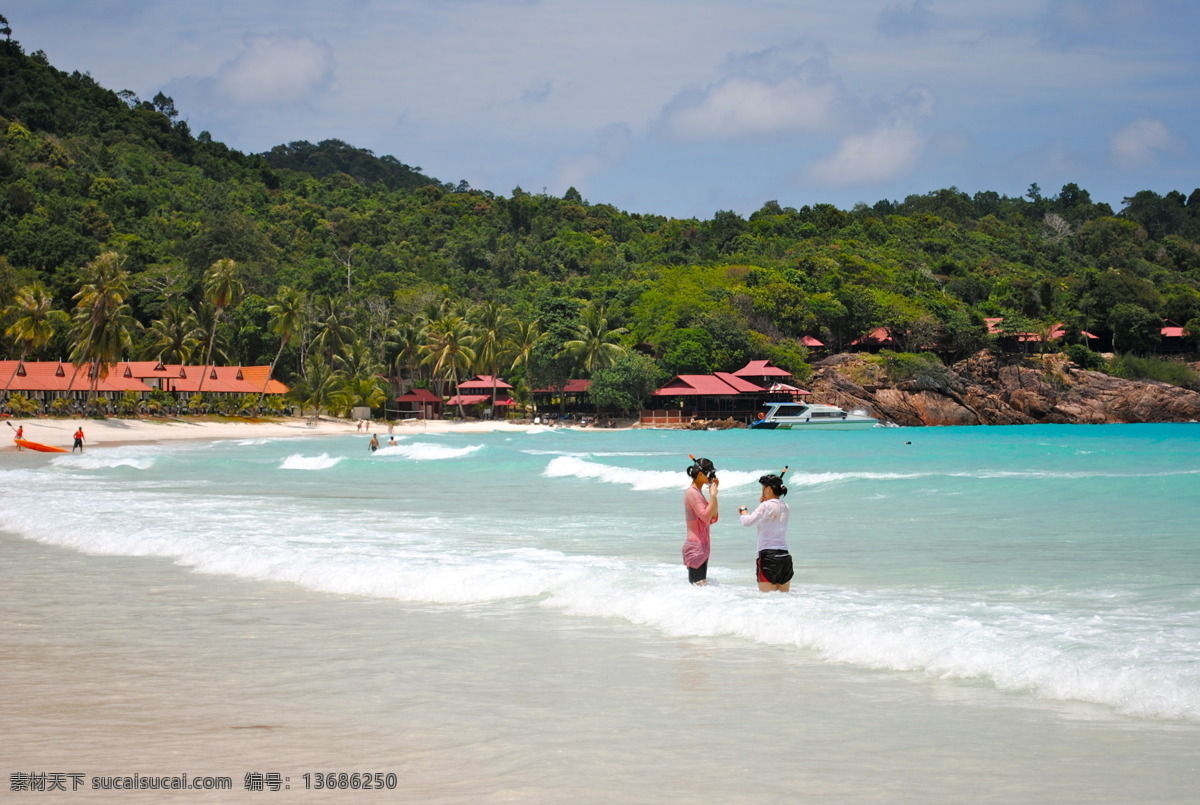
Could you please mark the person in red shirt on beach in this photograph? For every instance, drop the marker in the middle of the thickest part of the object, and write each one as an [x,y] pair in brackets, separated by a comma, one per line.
[78,440]
[699,515]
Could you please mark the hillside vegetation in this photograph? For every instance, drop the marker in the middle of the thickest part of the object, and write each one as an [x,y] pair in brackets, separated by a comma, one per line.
[343,266]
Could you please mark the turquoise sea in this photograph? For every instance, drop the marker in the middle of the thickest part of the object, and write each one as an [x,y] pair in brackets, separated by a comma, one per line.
[984,614]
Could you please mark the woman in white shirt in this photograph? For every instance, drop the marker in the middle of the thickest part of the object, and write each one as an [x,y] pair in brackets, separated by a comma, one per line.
[774,563]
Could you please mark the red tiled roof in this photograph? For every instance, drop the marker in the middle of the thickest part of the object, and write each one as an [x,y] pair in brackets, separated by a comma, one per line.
[737,383]
[419,395]
[469,399]
[1172,332]
[809,341]
[572,387]
[697,386]
[877,336]
[762,369]
[21,376]
[484,382]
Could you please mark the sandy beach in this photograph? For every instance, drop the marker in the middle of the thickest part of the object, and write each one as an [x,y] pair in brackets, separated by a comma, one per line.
[114,432]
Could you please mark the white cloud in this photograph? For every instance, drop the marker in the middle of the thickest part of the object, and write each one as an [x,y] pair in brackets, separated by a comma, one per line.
[877,156]
[276,70]
[738,107]
[616,142]
[1143,141]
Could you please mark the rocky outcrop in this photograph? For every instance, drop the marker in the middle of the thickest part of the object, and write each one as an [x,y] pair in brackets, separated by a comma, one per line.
[991,389]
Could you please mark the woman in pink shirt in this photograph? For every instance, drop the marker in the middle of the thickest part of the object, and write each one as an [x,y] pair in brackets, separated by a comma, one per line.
[699,515]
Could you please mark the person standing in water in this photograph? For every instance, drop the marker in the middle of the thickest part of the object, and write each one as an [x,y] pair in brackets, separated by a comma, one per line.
[78,440]
[374,445]
[774,564]
[699,515]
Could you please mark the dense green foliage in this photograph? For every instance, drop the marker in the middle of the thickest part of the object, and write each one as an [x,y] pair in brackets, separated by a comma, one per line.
[379,269]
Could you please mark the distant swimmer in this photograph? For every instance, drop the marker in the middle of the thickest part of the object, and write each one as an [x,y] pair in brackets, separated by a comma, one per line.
[392,442]
[699,515]
[78,440]
[774,563]
[374,442]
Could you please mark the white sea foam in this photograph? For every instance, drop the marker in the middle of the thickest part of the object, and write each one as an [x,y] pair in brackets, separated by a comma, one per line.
[105,459]
[639,480]
[296,461]
[422,451]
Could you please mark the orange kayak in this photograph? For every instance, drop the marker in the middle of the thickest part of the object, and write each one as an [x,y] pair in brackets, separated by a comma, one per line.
[44,448]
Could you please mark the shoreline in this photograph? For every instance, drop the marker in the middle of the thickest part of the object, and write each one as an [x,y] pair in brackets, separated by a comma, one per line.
[114,432]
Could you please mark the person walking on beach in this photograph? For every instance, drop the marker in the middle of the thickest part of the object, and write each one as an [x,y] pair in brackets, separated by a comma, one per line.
[374,443]
[78,440]
[20,434]
[774,564]
[699,515]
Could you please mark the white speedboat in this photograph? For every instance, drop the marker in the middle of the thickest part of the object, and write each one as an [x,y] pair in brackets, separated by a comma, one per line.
[806,415]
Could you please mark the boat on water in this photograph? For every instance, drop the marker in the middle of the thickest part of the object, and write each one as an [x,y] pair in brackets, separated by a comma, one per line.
[811,416]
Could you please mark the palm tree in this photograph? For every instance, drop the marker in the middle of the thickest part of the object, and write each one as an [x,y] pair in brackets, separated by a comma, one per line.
[102,320]
[523,337]
[403,343]
[446,347]
[222,289]
[595,345]
[176,336]
[37,321]
[491,340]
[333,332]
[322,387]
[288,314]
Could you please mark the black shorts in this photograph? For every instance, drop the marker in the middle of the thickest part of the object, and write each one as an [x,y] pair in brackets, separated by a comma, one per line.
[696,574]
[774,566]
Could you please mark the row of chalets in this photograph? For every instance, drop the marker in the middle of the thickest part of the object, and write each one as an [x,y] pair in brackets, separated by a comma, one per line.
[49,380]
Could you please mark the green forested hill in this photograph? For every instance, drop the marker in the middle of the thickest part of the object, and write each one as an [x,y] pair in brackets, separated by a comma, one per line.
[390,269]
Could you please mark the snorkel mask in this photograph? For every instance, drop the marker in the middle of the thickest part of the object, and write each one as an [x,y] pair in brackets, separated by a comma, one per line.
[702,465]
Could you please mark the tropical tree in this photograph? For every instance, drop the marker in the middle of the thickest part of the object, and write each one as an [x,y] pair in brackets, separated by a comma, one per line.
[403,343]
[522,339]
[288,313]
[175,337]
[595,345]
[102,320]
[36,323]
[333,330]
[222,289]
[37,320]
[492,324]
[447,348]
[321,387]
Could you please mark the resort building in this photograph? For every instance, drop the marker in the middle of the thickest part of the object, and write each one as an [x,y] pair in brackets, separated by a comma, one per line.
[721,395]
[46,381]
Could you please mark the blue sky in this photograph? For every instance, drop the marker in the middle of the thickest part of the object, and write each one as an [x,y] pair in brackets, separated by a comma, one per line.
[676,107]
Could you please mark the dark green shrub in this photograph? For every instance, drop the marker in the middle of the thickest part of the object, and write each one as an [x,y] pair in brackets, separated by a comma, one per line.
[1084,357]
[1132,367]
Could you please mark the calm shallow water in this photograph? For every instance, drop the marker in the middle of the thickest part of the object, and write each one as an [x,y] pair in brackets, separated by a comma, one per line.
[1014,611]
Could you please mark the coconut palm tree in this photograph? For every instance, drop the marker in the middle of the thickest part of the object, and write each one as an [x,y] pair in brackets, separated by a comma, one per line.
[288,314]
[222,288]
[37,320]
[175,337]
[102,320]
[447,348]
[595,346]
[403,344]
[321,387]
[492,324]
[523,337]
[333,328]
